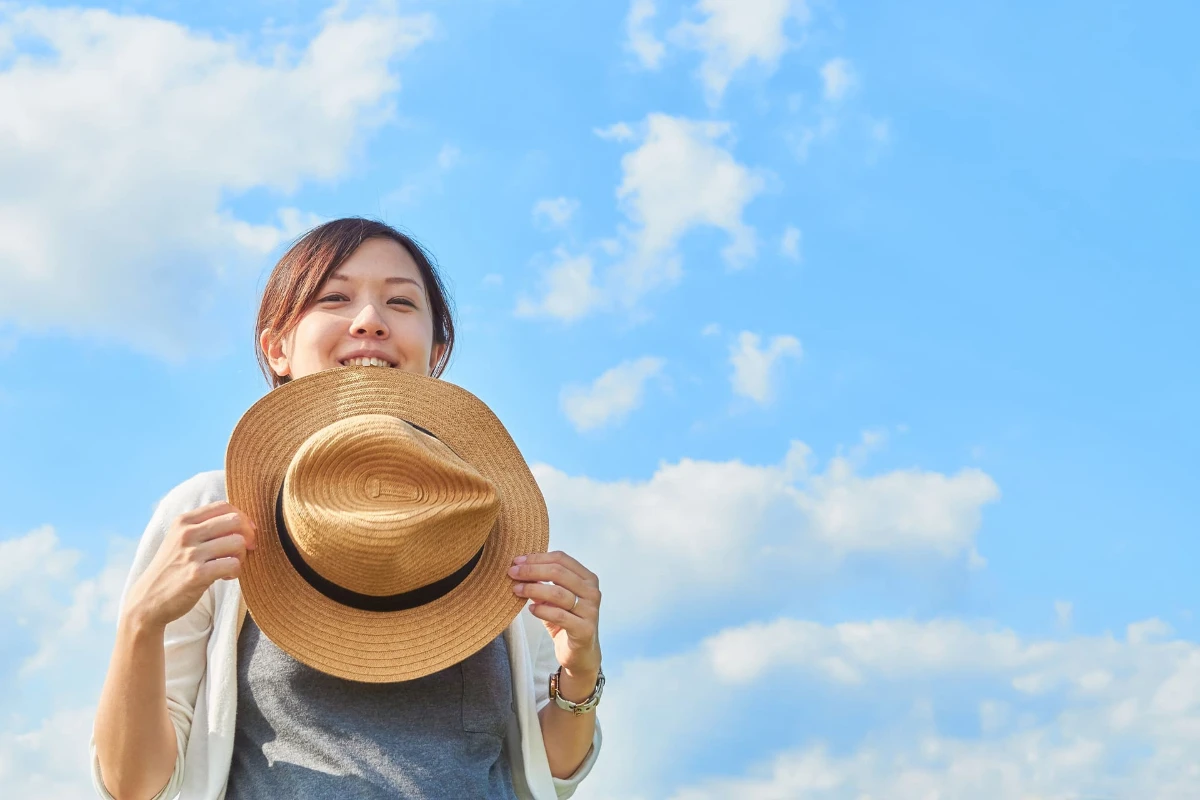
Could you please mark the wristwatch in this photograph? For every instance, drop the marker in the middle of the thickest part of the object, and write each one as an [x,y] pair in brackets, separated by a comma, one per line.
[578,709]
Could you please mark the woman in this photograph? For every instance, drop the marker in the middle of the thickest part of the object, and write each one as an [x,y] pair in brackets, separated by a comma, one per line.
[197,702]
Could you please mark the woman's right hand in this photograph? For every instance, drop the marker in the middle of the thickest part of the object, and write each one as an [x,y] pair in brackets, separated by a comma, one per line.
[201,546]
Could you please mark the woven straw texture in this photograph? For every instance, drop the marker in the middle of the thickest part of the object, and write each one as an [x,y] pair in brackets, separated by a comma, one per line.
[380,509]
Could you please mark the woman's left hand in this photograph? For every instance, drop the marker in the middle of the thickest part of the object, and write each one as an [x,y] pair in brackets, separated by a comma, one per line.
[566,597]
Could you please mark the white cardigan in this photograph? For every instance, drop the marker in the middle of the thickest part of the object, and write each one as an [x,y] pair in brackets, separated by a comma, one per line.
[201,671]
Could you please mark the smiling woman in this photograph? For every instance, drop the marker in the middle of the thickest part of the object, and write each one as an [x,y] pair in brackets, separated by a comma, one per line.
[200,702]
[361,271]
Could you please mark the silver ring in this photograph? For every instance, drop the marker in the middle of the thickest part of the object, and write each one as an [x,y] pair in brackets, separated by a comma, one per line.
[575,603]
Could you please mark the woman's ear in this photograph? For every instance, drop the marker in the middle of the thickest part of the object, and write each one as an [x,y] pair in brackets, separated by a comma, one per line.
[272,348]
[435,355]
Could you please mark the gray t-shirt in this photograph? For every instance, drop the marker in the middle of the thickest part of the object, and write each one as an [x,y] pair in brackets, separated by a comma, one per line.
[302,733]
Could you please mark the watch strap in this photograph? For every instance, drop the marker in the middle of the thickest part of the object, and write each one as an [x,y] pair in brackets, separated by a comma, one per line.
[578,709]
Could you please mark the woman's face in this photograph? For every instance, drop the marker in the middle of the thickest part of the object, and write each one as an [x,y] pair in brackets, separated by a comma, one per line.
[373,306]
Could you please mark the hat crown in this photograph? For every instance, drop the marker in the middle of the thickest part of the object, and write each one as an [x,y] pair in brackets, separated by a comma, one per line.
[380,508]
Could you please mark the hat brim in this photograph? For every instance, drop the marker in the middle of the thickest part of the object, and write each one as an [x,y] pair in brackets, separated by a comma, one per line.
[375,646]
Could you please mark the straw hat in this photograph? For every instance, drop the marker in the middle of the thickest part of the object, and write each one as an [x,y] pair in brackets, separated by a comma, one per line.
[389,508]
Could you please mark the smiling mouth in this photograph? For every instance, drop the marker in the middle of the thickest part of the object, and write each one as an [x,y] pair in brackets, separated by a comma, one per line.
[366,362]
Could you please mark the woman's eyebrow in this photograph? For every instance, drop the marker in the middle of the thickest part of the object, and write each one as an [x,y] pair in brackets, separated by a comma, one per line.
[337,277]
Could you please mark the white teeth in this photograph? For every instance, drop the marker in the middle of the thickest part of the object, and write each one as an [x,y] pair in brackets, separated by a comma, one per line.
[365,362]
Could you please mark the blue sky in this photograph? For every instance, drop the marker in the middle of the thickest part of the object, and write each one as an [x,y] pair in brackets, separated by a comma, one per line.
[852,345]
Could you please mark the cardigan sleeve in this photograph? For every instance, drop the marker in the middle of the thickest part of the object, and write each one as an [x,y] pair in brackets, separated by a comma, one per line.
[185,641]
[544,663]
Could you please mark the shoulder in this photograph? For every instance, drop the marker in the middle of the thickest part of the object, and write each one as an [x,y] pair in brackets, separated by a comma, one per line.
[198,490]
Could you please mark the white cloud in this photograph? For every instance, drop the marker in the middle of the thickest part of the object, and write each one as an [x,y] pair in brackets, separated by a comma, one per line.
[678,179]
[754,367]
[901,509]
[52,692]
[802,141]
[35,554]
[854,652]
[822,129]
[570,292]
[789,245]
[448,157]
[642,41]
[49,761]
[555,212]
[617,132]
[425,180]
[612,396]
[837,78]
[734,33]
[681,178]
[120,142]
[1027,765]
[1147,631]
[837,116]
[1063,611]
[1112,718]
[265,238]
[38,577]
[881,131]
[93,601]
[720,523]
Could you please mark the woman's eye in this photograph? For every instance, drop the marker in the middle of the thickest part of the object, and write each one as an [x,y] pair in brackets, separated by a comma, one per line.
[341,298]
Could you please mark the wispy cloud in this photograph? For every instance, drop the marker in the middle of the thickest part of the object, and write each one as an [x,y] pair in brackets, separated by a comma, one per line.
[617,132]
[1063,612]
[569,291]
[755,367]
[729,34]
[612,396]
[641,39]
[789,245]
[681,177]
[554,212]
[837,115]
[67,616]
[428,179]
[838,79]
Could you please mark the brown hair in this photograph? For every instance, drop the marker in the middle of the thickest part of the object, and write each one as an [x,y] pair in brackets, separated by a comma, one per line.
[295,281]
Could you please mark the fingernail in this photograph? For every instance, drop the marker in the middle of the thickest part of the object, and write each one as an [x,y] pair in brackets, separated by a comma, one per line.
[519,560]
[513,571]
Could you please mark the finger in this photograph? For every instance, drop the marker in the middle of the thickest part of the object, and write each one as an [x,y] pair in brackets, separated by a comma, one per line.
[555,573]
[559,557]
[553,595]
[224,525]
[206,512]
[222,569]
[577,628]
[231,545]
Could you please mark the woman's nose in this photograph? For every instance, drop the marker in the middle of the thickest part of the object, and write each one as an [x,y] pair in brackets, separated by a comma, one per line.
[369,323]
